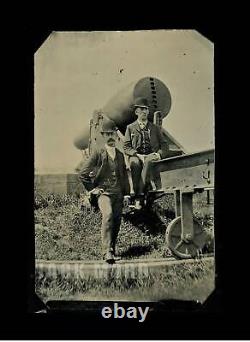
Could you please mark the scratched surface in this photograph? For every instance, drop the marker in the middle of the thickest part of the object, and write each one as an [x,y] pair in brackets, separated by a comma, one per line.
[191,176]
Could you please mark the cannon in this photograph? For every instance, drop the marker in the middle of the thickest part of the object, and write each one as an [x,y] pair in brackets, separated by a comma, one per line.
[182,174]
[120,109]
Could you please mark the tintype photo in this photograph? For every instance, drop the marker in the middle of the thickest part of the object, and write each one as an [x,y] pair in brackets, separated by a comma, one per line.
[124,166]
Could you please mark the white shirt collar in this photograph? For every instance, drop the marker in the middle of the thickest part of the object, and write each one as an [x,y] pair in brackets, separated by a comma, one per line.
[142,124]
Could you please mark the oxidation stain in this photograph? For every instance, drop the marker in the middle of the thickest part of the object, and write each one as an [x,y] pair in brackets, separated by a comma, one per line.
[121,70]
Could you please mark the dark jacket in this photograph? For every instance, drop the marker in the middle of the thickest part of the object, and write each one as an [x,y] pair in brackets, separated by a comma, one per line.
[97,164]
[133,139]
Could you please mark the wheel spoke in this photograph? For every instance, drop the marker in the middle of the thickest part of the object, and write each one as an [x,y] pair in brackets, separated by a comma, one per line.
[194,243]
[179,244]
[175,235]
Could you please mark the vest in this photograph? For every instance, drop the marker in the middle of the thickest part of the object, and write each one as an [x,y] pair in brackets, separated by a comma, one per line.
[145,147]
[111,184]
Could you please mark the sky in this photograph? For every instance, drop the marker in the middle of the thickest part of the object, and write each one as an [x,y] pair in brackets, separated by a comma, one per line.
[78,72]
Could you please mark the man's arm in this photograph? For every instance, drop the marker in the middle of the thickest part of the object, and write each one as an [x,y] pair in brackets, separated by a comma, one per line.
[163,144]
[87,168]
[127,145]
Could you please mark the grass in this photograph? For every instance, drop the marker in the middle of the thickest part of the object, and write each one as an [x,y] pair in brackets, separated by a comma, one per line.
[67,230]
[183,282]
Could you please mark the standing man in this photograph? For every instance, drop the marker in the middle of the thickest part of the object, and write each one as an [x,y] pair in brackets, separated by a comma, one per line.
[144,143]
[104,175]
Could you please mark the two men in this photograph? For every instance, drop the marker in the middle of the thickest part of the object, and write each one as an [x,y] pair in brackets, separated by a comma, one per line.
[104,175]
[144,143]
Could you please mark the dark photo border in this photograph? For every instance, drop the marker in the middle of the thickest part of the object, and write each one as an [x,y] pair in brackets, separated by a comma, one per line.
[170,319]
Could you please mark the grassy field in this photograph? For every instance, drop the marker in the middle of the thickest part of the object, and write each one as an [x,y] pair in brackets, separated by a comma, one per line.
[183,282]
[65,229]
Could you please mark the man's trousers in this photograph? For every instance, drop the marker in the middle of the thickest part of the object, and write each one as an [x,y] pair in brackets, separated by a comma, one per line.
[142,174]
[111,209]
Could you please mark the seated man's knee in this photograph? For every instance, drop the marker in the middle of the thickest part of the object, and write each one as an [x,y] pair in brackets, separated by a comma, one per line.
[134,162]
[148,162]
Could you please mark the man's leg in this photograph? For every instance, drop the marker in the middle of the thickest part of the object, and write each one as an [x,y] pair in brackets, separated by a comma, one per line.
[117,204]
[156,177]
[147,170]
[149,173]
[105,205]
[136,167]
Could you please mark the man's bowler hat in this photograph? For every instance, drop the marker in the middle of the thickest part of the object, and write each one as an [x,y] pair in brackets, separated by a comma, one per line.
[141,102]
[108,126]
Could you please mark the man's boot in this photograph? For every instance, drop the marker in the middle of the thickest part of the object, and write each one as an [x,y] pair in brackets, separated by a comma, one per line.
[109,257]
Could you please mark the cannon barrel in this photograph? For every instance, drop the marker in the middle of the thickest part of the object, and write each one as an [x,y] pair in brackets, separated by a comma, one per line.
[120,108]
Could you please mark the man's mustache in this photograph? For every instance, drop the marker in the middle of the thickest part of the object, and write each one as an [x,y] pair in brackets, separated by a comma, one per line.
[111,140]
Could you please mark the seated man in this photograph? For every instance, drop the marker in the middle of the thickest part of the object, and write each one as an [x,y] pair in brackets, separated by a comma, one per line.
[104,175]
[144,143]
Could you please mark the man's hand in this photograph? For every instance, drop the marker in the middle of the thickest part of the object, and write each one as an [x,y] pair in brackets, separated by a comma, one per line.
[96,191]
[154,156]
[157,156]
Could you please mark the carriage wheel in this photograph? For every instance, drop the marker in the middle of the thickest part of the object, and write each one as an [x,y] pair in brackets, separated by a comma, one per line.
[185,249]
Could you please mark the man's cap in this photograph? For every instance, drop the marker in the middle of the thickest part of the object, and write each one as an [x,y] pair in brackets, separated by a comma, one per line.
[141,102]
[108,126]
